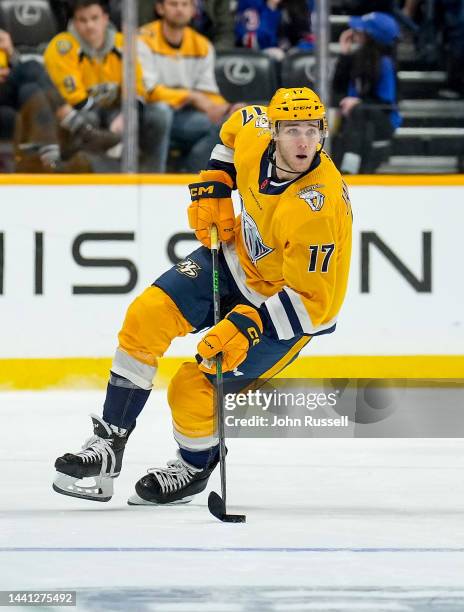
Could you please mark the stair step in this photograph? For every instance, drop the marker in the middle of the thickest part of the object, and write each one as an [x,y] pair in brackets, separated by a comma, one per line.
[421,83]
[432,108]
[428,141]
[339,20]
[429,132]
[415,76]
[402,164]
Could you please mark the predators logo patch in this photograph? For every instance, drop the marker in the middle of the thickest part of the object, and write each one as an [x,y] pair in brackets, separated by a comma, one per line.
[63,46]
[188,267]
[315,199]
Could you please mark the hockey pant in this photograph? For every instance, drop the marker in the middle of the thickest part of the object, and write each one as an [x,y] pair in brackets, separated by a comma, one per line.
[179,303]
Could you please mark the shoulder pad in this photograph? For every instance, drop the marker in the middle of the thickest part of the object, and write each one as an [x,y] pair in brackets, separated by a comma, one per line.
[196,43]
[253,116]
[148,29]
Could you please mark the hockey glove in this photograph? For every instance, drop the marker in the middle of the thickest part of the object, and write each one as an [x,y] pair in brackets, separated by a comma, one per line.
[233,337]
[212,203]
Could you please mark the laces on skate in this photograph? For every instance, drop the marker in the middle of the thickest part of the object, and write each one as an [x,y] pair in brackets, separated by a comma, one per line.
[176,475]
[89,473]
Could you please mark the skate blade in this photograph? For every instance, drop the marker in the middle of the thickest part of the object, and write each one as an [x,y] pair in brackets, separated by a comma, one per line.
[135,500]
[101,491]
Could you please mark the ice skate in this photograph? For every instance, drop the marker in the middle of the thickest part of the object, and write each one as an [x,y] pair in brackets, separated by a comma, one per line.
[175,484]
[100,460]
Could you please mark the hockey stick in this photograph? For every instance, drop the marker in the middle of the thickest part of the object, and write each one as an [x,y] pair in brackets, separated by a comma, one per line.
[217,504]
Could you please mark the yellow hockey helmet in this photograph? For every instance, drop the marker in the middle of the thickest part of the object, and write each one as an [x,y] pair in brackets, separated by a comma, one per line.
[296,105]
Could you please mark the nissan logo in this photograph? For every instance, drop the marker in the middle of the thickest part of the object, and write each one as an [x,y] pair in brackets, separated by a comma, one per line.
[28,13]
[239,71]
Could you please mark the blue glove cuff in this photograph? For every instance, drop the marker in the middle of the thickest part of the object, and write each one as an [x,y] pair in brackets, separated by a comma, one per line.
[246,326]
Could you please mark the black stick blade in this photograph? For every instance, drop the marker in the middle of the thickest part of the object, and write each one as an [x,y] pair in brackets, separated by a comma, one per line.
[217,509]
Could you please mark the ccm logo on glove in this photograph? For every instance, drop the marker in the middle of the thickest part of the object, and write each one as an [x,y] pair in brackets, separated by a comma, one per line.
[212,205]
[233,337]
[254,335]
[209,190]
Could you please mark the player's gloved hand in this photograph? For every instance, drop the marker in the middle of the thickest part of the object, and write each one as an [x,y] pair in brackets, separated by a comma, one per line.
[212,204]
[233,337]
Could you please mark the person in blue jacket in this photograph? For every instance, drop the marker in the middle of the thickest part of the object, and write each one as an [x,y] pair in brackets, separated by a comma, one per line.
[274,26]
[365,86]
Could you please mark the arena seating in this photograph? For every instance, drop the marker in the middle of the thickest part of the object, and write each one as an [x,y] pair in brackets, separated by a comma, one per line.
[31,23]
[430,140]
[246,75]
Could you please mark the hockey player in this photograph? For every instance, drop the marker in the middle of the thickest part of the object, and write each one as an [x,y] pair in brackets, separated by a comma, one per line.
[283,274]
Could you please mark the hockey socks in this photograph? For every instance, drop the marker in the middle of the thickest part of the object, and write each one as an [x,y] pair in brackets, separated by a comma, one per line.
[200,459]
[124,401]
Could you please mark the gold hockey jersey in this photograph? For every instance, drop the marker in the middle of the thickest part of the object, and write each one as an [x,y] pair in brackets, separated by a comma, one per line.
[79,72]
[170,73]
[292,248]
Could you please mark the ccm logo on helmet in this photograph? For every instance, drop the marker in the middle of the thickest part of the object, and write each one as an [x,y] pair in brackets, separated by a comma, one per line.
[302,107]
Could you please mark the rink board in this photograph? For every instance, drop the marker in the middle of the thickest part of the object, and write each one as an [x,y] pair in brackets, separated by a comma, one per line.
[75,251]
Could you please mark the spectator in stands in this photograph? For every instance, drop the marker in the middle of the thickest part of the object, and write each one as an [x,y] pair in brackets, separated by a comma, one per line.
[63,12]
[365,85]
[26,88]
[215,20]
[275,26]
[445,18]
[212,18]
[178,69]
[85,64]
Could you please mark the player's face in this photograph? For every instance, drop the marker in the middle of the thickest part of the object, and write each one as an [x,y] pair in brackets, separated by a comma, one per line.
[296,144]
[176,13]
[91,23]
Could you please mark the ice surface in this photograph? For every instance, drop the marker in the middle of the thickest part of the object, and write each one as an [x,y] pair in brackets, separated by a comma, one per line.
[332,524]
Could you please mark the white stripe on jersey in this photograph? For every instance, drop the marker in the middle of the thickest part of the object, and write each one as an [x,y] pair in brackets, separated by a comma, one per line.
[223,153]
[279,317]
[281,320]
[303,314]
[320,328]
[238,274]
[300,310]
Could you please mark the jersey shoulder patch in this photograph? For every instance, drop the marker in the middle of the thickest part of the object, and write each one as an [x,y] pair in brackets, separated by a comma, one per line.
[63,46]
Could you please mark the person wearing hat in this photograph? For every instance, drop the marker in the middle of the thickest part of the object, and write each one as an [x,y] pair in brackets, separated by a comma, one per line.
[365,85]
